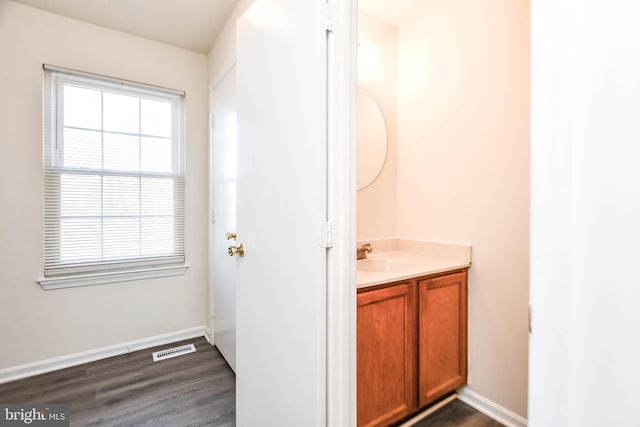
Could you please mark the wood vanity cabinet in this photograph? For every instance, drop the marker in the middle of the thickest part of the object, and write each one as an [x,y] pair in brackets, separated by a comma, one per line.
[386,356]
[442,335]
[411,345]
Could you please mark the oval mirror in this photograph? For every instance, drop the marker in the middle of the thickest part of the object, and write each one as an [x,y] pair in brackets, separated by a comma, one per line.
[372,139]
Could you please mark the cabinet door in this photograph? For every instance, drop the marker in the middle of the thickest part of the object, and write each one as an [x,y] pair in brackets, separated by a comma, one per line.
[386,354]
[442,337]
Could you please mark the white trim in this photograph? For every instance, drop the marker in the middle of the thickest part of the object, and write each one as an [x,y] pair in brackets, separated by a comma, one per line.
[430,410]
[49,283]
[208,335]
[115,80]
[341,195]
[491,408]
[66,361]
[225,71]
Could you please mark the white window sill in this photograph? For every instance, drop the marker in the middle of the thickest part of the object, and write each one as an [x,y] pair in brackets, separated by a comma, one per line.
[62,282]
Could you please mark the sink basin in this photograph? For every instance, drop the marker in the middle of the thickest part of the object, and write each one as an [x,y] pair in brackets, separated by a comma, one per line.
[382,265]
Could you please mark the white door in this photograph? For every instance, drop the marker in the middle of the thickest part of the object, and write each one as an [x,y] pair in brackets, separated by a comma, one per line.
[222,286]
[281,201]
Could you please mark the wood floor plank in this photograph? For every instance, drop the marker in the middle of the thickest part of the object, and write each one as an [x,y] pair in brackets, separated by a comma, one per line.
[197,389]
[457,414]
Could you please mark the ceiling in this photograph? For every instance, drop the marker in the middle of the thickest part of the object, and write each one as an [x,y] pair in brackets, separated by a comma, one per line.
[190,24]
[393,12]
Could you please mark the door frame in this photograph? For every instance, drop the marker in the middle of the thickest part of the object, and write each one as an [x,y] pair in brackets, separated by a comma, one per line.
[341,207]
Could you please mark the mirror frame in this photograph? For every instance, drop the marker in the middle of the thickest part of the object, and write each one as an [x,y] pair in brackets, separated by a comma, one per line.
[375,123]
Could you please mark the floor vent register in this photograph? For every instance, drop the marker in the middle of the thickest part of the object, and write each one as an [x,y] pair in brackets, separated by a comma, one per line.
[173,352]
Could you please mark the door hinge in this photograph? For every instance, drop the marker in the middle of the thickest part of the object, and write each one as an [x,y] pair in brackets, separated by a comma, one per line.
[529,318]
[328,16]
[212,121]
[326,235]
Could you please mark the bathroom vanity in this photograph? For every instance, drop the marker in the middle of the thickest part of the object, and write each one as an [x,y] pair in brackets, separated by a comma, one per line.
[412,333]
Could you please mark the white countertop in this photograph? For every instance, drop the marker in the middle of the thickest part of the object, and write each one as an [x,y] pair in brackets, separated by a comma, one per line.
[404,265]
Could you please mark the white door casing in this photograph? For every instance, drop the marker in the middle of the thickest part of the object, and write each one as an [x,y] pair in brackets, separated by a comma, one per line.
[282,204]
[222,286]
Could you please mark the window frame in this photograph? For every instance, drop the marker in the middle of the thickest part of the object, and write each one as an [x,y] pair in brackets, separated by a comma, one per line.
[60,274]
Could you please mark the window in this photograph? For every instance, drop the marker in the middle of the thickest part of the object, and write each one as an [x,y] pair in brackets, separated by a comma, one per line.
[113,180]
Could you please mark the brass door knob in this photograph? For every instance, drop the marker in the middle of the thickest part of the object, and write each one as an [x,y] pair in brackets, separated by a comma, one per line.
[239,250]
[231,236]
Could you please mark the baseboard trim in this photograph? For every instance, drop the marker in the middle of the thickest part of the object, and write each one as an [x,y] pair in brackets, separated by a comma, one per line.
[69,360]
[491,408]
[208,336]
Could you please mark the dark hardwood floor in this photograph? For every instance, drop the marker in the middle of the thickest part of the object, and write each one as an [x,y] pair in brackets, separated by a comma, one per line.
[196,389]
[457,414]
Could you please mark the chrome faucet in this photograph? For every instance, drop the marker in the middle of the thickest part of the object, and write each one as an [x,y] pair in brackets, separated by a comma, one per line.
[362,252]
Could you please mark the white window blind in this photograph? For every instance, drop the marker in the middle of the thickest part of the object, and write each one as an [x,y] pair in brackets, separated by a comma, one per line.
[113,175]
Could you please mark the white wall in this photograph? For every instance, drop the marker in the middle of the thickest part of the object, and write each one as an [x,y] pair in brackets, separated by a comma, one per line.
[585,209]
[38,324]
[222,55]
[463,169]
[377,202]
